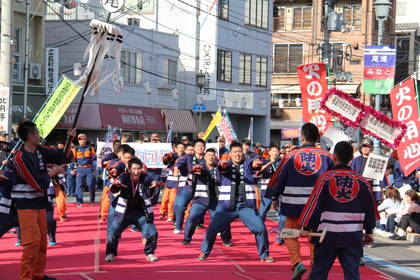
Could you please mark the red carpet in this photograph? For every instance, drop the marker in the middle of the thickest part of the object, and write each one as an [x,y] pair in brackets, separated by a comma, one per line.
[74,257]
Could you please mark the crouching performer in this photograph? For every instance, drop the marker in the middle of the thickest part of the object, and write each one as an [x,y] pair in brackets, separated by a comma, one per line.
[132,206]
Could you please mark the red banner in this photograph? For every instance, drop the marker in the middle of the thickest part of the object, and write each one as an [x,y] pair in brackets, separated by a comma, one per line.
[405,110]
[313,85]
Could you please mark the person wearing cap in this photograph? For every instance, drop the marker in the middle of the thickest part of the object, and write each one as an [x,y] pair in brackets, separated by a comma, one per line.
[83,155]
[359,163]
[155,173]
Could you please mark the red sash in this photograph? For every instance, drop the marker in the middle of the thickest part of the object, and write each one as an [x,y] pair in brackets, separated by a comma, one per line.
[24,172]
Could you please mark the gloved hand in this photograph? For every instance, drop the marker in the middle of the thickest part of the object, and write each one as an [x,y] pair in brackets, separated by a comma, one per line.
[197,169]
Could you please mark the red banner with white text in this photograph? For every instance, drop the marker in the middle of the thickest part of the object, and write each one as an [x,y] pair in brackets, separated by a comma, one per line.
[405,110]
[313,85]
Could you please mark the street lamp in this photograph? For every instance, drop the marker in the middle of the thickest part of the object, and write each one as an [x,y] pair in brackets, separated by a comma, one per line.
[201,80]
[381,11]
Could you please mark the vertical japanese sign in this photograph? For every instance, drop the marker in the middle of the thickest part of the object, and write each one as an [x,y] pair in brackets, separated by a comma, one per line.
[51,69]
[4,108]
[208,51]
[313,85]
[225,129]
[379,69]
[405,110]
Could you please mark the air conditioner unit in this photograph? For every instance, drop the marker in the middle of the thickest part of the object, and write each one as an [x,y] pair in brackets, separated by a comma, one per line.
[34,71]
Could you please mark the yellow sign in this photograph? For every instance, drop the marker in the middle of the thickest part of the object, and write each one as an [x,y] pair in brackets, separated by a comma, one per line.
[60,99]
[216,120]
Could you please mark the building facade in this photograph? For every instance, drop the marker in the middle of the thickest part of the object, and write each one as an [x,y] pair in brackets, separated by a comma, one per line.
[407,33]
[298,38]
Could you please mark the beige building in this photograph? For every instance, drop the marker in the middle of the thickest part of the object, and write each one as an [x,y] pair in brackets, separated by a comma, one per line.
[297,39]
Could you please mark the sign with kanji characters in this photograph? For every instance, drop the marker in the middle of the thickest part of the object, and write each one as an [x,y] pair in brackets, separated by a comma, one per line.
[112,6]
[307,162]
[61,98]
[375,167]
[354,113]
[51,69]
[149,153]
[313,85]
[379,69]
[405,110]
[4,108]
[225,129]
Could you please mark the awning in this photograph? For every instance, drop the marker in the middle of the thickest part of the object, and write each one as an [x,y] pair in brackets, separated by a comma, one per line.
[180,120]
[99,116]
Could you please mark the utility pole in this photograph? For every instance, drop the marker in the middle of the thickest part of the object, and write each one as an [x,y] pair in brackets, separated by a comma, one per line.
[26,69]
[326,49]
[5,55]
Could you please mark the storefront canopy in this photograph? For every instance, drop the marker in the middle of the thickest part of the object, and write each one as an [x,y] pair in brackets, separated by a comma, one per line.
[180,120]
[99,116]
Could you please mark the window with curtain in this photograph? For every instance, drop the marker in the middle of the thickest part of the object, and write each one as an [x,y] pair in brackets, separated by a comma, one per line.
[245,62]
[287,57]
[170,70]
[131,63]
[256,13]
[224,9]
[279,19]
[261,71]
[302,18]
[224,66]
[352,16]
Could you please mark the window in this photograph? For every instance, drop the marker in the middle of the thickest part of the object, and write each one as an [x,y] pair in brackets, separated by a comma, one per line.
[279,19]
[131,63]
[170,69]
[224,9]
[245,61]
[302,18]
[256,13]
[133,22]
[17,39]
[17,69]
[224,66]
[261,71]
[287,57]
[401,8]
[352,16]
[286,100]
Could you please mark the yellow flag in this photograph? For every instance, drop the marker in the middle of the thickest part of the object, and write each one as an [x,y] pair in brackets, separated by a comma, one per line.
[216,119]
[61,98]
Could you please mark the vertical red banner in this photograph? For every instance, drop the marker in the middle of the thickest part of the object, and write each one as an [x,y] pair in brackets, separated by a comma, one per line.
[405,110]
[313,85]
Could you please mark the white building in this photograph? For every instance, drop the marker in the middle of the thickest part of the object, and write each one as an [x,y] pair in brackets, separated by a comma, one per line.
[230,41]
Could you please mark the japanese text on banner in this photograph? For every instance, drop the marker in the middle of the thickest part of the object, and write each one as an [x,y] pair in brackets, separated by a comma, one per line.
[405,110]
[313,85]
[63,95]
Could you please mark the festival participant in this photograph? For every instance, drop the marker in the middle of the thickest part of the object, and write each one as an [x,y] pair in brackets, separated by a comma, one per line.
[132,206]
[29,192]
[183,167]
[246,146]
[58,183]
[342,203]
[205,198]
[294,179]
[222,146]
[105,202]
[155,173]
[237,199]
[169,194]
[83,155]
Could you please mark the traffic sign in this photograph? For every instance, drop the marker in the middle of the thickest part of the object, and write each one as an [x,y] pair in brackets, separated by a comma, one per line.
[199,108]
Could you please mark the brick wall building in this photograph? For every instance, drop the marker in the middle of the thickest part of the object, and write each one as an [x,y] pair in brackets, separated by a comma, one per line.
[297,39]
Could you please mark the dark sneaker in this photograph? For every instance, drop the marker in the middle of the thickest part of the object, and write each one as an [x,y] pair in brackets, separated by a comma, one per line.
[186,242]
[109,258]
[48,278]
[200,226]
[298,271]
[227,244]
[397,237]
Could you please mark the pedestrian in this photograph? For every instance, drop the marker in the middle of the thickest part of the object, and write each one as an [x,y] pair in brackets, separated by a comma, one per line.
[205,198]
[341,203]
[294,179]
[83,155]
[32,180]
[237,199]
[132,206]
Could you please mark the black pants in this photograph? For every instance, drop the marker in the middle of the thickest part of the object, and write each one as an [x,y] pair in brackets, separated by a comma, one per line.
[324,258]
[412,220]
